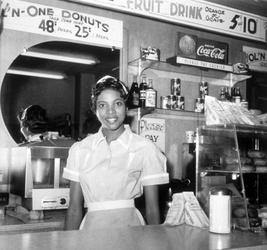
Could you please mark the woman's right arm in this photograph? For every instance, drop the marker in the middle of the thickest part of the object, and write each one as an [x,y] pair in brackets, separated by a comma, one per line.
[75,211]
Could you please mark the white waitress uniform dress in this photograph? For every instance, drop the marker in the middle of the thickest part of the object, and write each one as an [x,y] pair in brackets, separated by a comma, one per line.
[112,175]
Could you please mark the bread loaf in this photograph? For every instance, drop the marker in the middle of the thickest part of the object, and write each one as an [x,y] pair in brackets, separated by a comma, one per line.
[239,212]
[257,154]
[260,162]
[234,160]
[261,169]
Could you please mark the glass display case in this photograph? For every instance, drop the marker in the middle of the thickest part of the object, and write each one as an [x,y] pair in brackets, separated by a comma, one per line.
[234,157]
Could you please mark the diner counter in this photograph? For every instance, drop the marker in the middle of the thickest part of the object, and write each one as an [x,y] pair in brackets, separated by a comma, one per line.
[161,237]
[13,223]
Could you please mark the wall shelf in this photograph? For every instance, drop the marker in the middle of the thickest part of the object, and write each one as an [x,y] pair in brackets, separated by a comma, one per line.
[191,73]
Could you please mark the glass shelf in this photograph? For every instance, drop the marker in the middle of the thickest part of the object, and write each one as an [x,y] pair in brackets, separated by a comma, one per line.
[257,130]
[167,112]
[153,64]
[244,171]
[191,72]
[220,171]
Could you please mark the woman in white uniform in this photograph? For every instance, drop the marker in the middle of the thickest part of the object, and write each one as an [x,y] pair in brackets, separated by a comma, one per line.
[112,167]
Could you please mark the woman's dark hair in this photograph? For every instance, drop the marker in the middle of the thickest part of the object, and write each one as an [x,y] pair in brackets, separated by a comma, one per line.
[34,117]
[108,82]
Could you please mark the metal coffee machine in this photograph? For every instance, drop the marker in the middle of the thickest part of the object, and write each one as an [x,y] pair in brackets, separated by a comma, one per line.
[36,174]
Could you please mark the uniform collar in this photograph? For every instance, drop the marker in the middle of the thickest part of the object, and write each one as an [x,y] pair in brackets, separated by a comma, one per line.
[124,139]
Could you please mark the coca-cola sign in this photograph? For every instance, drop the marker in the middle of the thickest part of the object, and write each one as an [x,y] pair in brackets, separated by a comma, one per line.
[212,51]
[191,46]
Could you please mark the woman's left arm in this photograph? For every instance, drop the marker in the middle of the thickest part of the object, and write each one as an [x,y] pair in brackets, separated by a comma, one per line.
[152,204]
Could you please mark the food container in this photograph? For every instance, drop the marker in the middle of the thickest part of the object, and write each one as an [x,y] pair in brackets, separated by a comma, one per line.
[164,102]
[180,103]
[220,210]
[190,136]
[176,86]
[172,101]
[199,105]
[203,89]
[150,53]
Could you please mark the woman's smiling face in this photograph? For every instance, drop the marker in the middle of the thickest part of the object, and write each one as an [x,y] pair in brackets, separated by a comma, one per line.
[111,110]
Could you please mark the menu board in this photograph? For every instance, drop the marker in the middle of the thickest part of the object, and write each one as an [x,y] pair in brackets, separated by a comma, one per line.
[63,23]
[195,13]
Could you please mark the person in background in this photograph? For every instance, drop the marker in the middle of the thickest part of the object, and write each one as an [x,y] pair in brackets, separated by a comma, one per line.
[109,169]
[33,122]
[91,125]
[35,125]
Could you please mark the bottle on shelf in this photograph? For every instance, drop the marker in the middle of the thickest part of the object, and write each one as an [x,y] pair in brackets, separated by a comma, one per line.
[228,94]
[133,98]
[222,94]
[151,95]
[244,103]
[238,96]
[232,94]
[142,92]
[203,89]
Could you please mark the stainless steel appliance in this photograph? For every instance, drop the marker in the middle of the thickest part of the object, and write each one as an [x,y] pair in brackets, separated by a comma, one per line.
[36,174]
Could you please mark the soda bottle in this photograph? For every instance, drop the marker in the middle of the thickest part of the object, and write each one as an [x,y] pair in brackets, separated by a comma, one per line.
[238,96]
[133,98]
[232,94]
[228,94]
[203,89]
[142,92]
[151,95]
[222,94]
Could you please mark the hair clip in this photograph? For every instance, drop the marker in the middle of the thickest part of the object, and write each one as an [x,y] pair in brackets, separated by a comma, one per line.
[113,80]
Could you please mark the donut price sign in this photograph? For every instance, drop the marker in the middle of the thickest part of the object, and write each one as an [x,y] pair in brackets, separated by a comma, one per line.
[63,23]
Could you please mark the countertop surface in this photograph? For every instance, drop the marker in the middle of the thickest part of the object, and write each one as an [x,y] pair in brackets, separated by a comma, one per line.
[182,237]
[17,223]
